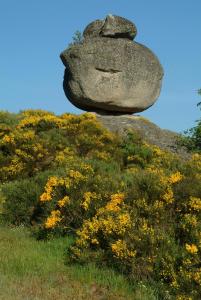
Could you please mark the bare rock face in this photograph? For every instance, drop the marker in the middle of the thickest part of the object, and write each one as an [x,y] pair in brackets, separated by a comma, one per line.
[108,72]
[148,131]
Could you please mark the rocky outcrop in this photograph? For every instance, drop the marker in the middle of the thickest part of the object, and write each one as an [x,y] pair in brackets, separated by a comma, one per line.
[108,72]
[151,133]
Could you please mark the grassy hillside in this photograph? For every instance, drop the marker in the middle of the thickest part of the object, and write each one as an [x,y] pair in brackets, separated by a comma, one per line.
[121,203]
[36,270]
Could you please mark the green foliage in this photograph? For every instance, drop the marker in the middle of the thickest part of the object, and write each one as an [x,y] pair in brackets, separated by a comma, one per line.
[129,205]
[77,38]
[134,151]
[8,119]
[192,138]
[21,198]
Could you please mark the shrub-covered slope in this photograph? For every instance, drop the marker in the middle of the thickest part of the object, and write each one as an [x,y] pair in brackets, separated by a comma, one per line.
[128,204]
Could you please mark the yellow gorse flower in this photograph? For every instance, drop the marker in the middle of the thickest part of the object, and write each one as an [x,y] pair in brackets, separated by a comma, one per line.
[190,219]
[120,249]
[183,297]
[62,202]
[76,176]
[168,197]
[95,242]
[116,200]
[192,249]
[88,196]
[104,221]
[53,219]
[51,183]
[176,177]
[195,203]
[197,276]
[8,139]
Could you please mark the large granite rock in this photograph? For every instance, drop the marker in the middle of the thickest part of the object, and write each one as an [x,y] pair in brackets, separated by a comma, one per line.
[148,131]
[109,72]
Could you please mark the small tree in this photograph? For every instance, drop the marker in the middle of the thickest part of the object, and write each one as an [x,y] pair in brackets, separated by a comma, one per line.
[77,38]
[192,139]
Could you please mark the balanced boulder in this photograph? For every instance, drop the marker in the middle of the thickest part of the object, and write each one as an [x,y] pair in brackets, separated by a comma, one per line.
[109,72]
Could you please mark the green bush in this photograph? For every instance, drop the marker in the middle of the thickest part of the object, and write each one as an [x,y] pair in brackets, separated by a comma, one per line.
[128,204]
[192,139]
[20,199]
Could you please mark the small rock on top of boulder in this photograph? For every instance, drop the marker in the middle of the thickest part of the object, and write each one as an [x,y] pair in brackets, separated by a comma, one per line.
[112,26]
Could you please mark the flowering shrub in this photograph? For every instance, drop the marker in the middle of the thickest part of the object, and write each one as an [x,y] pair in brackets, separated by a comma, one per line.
[145,229]
[128,204]
[39,140]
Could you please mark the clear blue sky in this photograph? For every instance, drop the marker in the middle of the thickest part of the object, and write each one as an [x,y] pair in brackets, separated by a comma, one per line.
[33,33]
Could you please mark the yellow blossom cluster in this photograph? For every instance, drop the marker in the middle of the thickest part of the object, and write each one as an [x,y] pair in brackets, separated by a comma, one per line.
[76,176]
[183,297]
[8,139]
[110,220]
[47,195]
[29,142]
[146,229]
[196,276]
[192,249]
[195,203]
[120,249]
[32,121]
[28,135]
[87,198]
[62,202]
[176,177]
[15,167]
[103,155]
[116,200]
[66,155]
[107,224]
[53,219]
[168,197]
[190,219]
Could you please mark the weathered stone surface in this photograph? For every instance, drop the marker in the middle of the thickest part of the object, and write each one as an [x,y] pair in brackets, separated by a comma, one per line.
[112,26]
[150,132]
[109,72]
[93,29]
